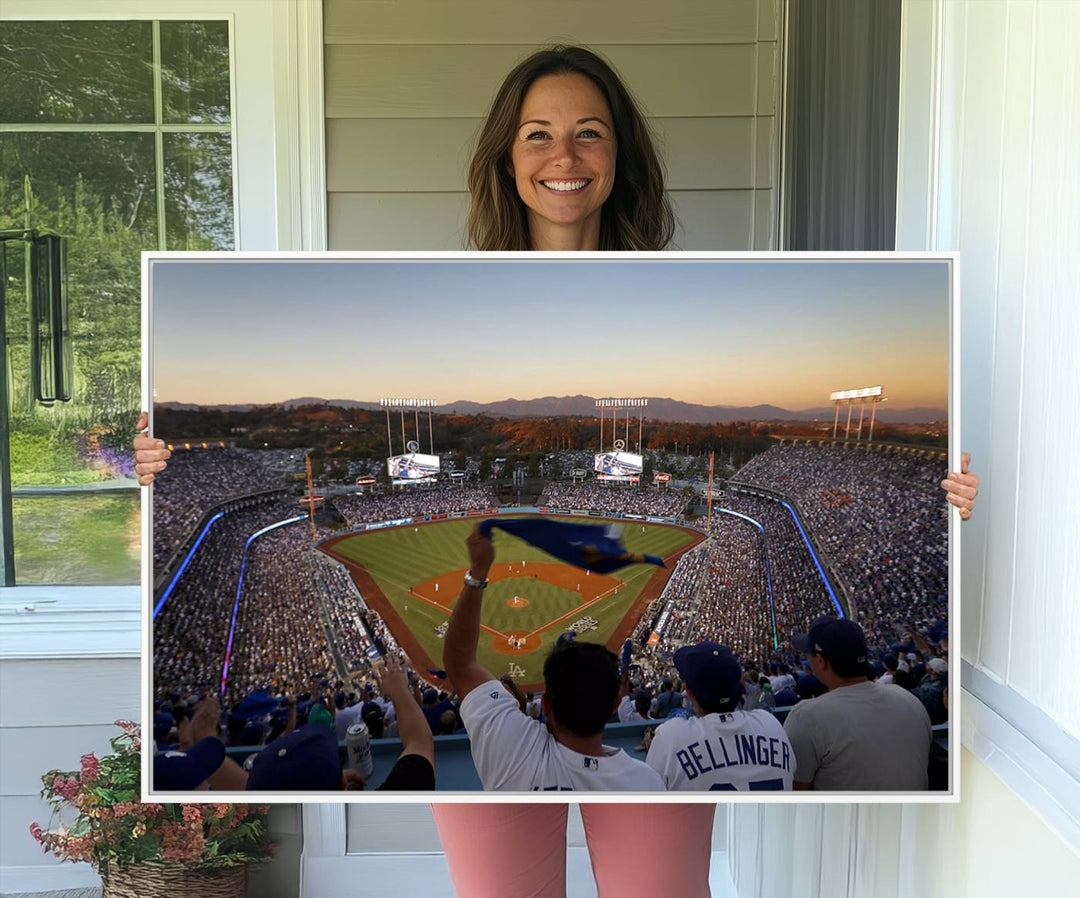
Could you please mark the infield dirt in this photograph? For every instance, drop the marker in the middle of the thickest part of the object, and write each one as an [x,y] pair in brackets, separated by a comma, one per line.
[580,592]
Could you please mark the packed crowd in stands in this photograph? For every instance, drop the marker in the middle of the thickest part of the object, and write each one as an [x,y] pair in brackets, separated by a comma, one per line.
[799,595]
[880,520]
[283,625]
[413,501]
[734,597]
[614,498]
[198,479]
[192,628]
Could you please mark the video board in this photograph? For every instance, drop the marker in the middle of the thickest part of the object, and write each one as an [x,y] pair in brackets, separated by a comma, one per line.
[617,463]
[413,466]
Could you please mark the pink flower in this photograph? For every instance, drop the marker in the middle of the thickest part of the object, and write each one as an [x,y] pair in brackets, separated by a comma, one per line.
[65,788]
[89,768]
[36,831]
[181,842]
[192,813]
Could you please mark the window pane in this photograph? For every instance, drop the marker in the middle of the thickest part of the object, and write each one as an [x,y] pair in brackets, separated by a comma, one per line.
[76,72]
[98,191]
[198,192]
[81,183]
[77,539]
[195,72]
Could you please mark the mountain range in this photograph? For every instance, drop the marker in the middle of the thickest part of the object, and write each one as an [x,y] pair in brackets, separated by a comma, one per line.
[658,409]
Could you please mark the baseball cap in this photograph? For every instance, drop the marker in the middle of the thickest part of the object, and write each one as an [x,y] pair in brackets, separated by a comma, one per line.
[305,760]
[711,671]
[810,687]
[252,734]
[938,665]
[163,724]
[838,639]
[371,711]
[176,771]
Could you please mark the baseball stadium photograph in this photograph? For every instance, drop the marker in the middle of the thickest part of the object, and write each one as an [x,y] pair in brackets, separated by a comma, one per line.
[453,524]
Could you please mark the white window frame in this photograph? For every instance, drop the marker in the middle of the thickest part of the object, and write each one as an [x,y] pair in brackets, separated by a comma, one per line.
[280,204]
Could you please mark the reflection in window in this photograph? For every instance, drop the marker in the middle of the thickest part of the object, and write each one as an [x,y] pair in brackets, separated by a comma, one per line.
[84,539]
[76,72]
[198,192]
[195,72]
[118,136]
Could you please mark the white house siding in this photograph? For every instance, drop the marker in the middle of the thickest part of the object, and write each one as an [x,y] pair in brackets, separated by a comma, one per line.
[408,84]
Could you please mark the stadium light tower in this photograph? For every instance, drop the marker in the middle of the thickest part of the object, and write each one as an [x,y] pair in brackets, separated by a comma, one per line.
[639,403]
[401,405]
[863,396]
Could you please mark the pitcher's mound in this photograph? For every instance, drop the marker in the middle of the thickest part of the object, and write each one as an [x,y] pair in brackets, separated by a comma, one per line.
[518,602]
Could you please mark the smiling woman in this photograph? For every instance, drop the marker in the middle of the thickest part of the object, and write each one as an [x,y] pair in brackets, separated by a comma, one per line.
[565,161]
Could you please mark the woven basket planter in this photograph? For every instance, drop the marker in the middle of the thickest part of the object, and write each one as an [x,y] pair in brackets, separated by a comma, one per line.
[174,881]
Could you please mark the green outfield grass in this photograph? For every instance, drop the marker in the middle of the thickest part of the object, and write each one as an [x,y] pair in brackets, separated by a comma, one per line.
[545,602]
[403,557]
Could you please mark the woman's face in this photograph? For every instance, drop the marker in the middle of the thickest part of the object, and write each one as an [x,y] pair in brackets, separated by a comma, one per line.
[563,156]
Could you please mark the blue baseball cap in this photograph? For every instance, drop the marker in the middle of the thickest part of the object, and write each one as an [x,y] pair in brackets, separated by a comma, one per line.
[711,672]
[181,771]
[305,760]
[839,640]
[163,724]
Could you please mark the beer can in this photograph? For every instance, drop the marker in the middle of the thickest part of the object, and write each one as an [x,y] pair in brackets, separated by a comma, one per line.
[358,746]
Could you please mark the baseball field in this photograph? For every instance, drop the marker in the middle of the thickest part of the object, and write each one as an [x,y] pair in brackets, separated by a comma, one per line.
[412,576]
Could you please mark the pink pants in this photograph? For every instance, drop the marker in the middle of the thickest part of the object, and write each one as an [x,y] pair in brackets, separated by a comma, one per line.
[519,850]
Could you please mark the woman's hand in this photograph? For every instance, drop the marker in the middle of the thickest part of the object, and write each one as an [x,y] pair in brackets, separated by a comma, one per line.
[150,454]
[962,488]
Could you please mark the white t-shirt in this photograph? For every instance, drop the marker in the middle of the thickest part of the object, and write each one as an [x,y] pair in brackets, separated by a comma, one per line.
[628,711]
[389,714]
[345,718]
[745,751]
[515,752]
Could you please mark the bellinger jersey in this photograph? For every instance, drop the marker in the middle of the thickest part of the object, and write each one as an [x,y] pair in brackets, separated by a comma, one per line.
[514,752]
[741,751]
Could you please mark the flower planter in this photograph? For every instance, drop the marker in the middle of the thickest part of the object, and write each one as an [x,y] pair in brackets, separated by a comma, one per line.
[149,850]
[173,881]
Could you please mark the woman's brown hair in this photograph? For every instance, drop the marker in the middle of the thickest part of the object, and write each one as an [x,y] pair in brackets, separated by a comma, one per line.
[636,216]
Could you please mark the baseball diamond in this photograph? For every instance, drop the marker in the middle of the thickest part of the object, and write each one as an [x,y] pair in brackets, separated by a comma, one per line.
[422,568]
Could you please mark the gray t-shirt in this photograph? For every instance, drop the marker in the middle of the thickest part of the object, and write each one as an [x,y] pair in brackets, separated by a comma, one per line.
[868,737]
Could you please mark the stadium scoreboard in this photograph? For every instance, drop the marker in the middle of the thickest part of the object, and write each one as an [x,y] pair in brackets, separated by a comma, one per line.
[414,467]
[618,465]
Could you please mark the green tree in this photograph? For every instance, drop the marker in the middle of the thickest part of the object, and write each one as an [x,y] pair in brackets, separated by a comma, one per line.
[99,190]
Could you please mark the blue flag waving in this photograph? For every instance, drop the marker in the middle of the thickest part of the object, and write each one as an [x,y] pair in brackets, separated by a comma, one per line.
[593,547]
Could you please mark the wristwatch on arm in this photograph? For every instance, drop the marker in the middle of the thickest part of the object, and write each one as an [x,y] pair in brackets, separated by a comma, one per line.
[475,582]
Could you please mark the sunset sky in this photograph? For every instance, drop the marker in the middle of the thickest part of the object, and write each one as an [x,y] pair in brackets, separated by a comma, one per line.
[716,332]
